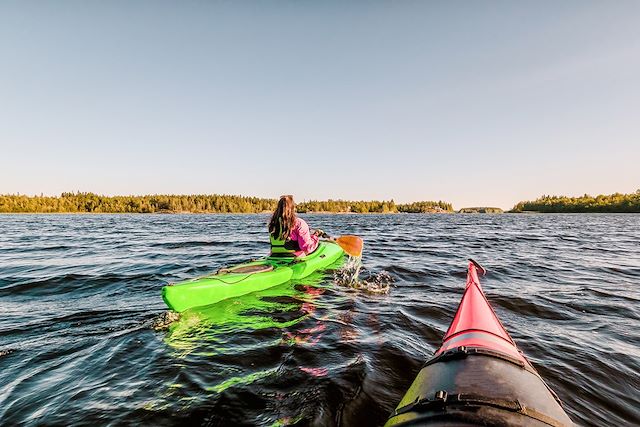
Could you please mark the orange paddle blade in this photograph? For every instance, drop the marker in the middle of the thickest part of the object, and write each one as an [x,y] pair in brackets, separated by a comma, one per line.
[351,244]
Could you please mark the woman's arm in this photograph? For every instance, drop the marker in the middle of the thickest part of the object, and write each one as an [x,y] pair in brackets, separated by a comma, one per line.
[307,241]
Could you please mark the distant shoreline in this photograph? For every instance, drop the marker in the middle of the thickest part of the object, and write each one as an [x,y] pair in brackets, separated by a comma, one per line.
[198,203]
[603,203]
[83,203]
[509,213]
[227,213]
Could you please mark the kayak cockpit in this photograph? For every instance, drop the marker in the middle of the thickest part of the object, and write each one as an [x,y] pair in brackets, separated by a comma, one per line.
[478,387]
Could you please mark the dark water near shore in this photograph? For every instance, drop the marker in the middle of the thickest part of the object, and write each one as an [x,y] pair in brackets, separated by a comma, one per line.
[80,295]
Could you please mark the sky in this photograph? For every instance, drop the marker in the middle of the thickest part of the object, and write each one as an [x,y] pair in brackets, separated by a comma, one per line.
[475,103]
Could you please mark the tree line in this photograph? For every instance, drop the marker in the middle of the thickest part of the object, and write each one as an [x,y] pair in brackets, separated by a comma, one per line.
[616,202]
[80,202]
[373,206]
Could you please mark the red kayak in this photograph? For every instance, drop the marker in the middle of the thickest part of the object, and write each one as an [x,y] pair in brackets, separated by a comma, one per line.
[478,376]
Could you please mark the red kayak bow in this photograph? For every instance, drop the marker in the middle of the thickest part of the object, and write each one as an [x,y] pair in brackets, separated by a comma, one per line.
[476,324]
[478,376]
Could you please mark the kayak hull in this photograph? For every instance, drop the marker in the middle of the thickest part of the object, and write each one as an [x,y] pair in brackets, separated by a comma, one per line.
[234,281]
[478,376]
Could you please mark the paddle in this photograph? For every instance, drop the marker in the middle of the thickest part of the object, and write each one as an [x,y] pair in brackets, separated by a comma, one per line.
[352,245]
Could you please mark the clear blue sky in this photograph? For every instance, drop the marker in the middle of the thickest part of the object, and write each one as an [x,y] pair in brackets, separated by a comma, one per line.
[476,103]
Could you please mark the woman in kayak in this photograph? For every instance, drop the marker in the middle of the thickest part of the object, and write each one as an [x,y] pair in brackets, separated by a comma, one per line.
[290,235]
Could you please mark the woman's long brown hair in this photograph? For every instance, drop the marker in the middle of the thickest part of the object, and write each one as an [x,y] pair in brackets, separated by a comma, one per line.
[283,218]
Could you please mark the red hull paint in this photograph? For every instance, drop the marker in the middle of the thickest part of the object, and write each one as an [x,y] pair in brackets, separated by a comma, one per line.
[476,324]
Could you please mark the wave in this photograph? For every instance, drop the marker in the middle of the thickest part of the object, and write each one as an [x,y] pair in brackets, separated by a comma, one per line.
[71,282]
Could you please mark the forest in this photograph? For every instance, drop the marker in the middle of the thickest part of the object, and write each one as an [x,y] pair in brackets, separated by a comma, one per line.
[80,202]
[616,202]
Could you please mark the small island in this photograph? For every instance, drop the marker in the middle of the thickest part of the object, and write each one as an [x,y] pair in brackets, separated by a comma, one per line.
[481,210]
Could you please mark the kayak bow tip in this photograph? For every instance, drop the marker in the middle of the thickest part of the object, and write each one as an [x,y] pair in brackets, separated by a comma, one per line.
[481,270]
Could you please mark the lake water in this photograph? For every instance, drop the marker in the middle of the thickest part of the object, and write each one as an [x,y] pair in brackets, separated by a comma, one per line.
[80,296]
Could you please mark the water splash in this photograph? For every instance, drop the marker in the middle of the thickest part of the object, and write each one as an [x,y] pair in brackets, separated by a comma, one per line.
[374,283]
[164,320]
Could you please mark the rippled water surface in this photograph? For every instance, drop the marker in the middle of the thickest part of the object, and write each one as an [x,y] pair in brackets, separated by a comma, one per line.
[80,303]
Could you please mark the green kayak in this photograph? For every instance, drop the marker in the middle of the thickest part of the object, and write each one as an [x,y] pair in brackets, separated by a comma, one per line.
[249,277]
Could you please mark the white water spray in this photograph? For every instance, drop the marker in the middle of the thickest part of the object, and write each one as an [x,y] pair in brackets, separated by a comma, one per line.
[349,275]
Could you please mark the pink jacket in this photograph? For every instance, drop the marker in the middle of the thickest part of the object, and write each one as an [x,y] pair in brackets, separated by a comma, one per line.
[301,234]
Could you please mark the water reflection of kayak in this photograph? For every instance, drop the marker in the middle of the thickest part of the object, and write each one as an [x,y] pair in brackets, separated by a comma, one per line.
[249,277]
[478,376]
[280,307]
